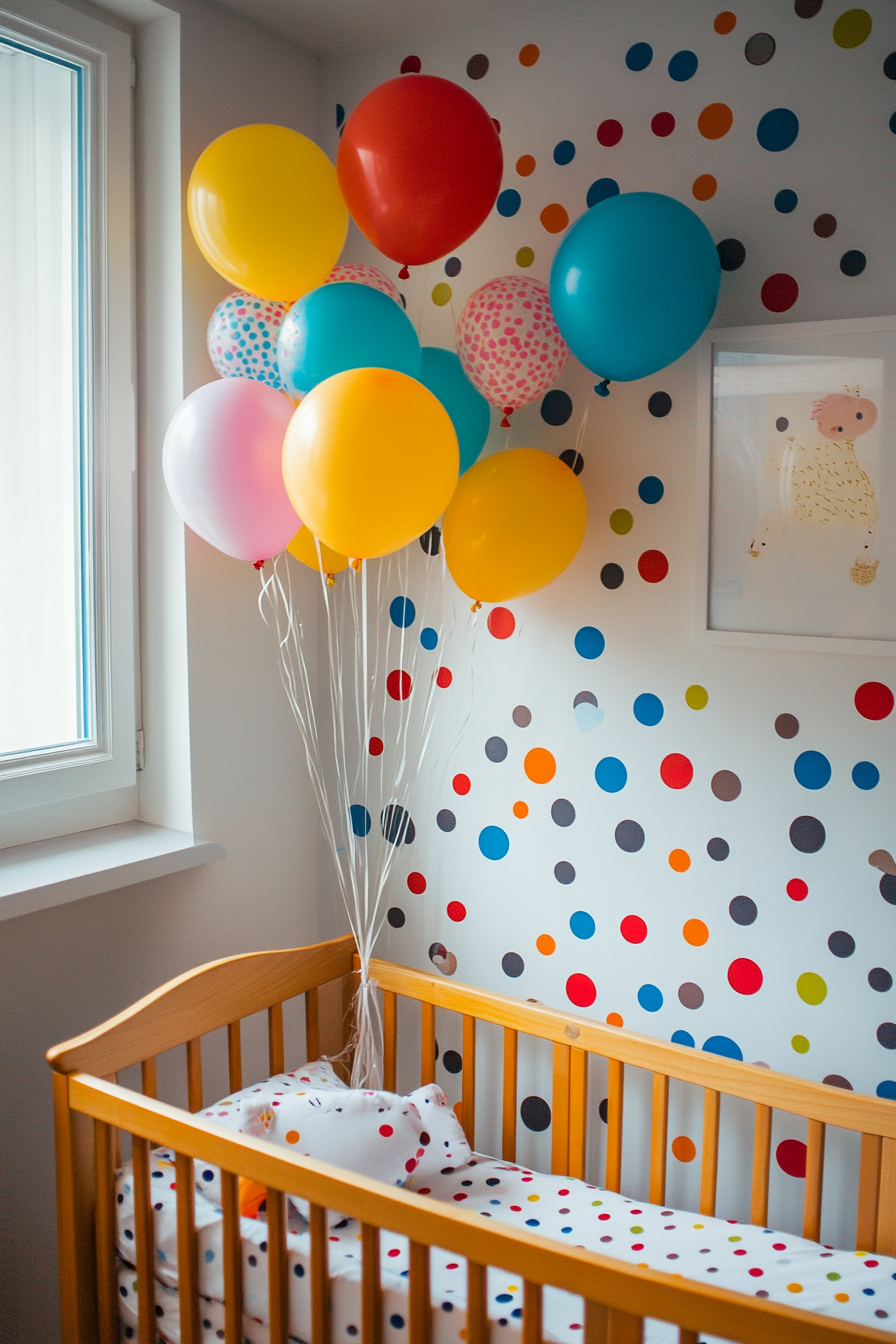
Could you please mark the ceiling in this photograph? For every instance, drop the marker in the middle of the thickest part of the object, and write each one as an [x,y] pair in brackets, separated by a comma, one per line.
[330,27]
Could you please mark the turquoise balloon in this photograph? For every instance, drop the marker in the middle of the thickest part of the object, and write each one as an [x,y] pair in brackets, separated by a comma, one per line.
[442,372]
[344,326]
[634,284]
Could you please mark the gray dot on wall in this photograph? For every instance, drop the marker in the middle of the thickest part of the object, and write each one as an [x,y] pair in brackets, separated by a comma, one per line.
[446,820]
[512,964]
[742,910]
[886,1035]
[395,916]
[535,1113]
[496,749]
[452,1061]
[718,849]
[690,995]
[629,836]
[562,812]
[782,423]
[522,716]
[585,698]
[807,834]
[564,873]
[760,49]
[837,1080]
[787,725]
[841,943]
[880,979]
[477,66]
[726,786]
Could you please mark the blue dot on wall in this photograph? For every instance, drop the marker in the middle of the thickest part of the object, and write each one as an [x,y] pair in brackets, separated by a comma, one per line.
[650,998]
[887,1089]
[589,642]
[865,775]
[610,774]
[600,190]
[428,637]
[778,129]
[564,152]
[509,202]
[639,56]
[651,490]
[581,924]
[682,1038]
[724,1046]
[360,819]
[493,842]
[683,66]
[893,123]
[648,709]
[786,201]
[402,612]
[812,769]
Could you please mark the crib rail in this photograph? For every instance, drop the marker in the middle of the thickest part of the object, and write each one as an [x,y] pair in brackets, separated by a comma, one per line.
[610,1288]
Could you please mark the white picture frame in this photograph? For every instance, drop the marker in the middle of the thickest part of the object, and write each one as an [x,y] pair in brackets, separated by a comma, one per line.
[818,568]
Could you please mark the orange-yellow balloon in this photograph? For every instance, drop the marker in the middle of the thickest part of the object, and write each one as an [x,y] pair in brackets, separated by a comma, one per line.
[266,211]
[303,548]
[370,460]
[515,522]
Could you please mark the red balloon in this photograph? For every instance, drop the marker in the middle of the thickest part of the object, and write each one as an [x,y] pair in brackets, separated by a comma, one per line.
[420,166]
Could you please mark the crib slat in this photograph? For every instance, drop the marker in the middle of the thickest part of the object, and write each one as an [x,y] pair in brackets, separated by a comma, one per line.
[419,1307]
[531,1332]
[234,1056]
[560,1112]
[615,1096]
[659,1133]
[762,1152]
[603,1325]
[233,1259]
[390,1039]
[688,1336]
[814,1175]
[886,1217]
[597,1323]
[477,1305]
[312,1025]
[869,1183]
[468,1084]
[187,1251]
[276,1062]
[709,1163]
[106,1273]
[320,1276]
[371,1289]
[145,1238]
[427,1043]
[194,1074]
[578,1112]
[148,1080]
[508,1096]
[278,1291]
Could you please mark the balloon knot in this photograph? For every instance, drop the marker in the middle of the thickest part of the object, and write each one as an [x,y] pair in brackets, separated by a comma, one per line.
[603,387]
[331,582]
[404,273]
[356,565]
[477,606]
[258,564]
[508,412]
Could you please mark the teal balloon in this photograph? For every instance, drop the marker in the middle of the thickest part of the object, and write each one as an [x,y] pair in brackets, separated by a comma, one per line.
[634,284]
[442,372]
[344,326]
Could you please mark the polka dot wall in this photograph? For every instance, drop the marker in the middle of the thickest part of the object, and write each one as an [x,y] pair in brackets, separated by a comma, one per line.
[694,842]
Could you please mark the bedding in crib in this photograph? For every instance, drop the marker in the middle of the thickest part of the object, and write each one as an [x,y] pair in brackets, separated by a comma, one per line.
[855,1287]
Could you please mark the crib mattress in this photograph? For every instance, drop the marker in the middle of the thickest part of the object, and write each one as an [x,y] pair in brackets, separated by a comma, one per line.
[854,1287]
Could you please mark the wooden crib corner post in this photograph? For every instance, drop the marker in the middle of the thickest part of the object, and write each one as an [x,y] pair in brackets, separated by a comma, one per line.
[74,1212]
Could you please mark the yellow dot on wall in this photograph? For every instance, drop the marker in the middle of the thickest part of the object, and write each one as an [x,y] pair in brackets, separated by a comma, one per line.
[811,988]
[696,697]
[441,295]
[525,257]
[852,28]
[800,1044]
[545,944]
[621,521]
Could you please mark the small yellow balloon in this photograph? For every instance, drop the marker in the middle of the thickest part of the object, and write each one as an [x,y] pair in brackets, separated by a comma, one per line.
[303,547]
[266,211]
[515,522]
[370,460]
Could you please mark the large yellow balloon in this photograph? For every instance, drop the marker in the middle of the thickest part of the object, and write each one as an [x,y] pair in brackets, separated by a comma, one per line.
[515,522]
[266,211]
[303,548]
[370,460]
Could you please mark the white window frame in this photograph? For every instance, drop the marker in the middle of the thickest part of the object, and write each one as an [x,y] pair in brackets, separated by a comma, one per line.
[94,783]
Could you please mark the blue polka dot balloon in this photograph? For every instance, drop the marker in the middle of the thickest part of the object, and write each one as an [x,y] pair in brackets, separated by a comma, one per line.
[242,337]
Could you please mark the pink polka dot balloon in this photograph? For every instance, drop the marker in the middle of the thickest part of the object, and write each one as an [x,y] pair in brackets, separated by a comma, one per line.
[508,342]
[242,337]
[360,274]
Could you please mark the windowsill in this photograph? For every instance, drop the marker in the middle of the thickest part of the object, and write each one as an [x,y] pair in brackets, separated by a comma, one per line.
[53,872]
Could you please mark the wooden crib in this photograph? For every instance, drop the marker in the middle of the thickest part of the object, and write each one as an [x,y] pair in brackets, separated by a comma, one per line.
[617,1295]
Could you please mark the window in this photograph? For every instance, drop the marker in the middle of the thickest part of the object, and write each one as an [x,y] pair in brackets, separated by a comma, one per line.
[67,641]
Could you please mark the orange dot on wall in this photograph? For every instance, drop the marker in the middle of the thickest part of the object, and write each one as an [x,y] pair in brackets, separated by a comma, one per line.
[614,1020]
[529,54]
[705,187]
[525,165]
[715,121]
[545,944]
[521,809]
[539,766]
[679,860]
[684,1148]
[695,932]
[554,218]
[724,23]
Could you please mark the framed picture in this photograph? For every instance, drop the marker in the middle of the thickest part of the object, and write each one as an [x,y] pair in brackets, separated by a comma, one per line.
[798,423]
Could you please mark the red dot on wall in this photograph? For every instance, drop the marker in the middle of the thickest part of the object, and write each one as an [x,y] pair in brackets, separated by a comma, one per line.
[790,1155]
[633,929]
[461,784]
[874,700]
[416,883]
[663,124]
[609,133]
[457,911]
[443,677]
[501,623]
[653,566]
[744,976]
[779,292]
[797,889]
[398,684]
[375,746]
[676,771]
[580,990]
